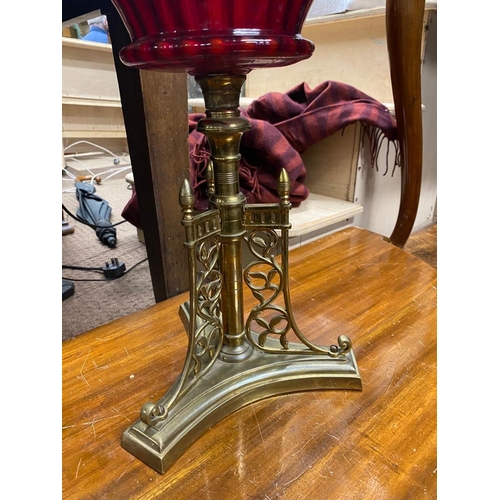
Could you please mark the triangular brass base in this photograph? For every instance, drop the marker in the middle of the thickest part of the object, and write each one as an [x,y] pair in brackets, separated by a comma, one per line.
[227,387]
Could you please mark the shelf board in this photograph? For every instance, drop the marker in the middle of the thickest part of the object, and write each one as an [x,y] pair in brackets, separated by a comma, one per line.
[94,134]
[90,101]
[85,45]
[357,14]
[320,212]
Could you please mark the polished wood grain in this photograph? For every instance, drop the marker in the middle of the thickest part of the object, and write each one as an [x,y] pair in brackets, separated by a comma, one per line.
[423,244]
[379,443]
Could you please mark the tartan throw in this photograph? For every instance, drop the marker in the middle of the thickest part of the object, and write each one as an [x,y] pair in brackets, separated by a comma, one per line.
[284,125]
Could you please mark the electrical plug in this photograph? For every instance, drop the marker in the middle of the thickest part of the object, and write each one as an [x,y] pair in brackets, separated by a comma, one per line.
[113,269]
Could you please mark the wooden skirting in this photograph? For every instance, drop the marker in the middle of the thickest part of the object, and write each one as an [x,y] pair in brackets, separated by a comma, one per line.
[377,443]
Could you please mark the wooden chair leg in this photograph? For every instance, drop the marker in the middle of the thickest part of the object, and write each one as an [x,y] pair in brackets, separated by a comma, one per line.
[404,24]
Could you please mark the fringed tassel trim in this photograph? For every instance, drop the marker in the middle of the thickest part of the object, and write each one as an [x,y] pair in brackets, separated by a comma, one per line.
[251,176]
[376,138]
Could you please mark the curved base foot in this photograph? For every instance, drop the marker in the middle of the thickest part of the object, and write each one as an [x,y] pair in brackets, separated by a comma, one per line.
[228,387]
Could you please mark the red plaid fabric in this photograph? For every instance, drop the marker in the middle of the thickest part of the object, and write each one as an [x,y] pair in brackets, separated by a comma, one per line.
[284,125]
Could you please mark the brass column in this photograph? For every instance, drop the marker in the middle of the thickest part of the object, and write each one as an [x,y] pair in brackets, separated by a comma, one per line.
[223,127]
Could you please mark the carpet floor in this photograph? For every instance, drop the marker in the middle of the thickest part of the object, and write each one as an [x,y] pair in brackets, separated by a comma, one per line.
[95,303]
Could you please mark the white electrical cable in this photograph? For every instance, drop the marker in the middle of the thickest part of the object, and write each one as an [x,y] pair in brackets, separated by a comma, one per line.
[91,144]
[73,157]
[112,171]
[86,153]
[69,174]
[118,171]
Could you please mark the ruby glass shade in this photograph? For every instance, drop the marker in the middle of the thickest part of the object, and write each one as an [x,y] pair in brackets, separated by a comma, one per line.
[214,36]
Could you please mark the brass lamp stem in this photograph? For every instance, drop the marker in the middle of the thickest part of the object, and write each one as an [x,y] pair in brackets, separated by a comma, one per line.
[223,127]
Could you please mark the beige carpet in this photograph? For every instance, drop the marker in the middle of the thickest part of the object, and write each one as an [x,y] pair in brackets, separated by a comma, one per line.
[95,303]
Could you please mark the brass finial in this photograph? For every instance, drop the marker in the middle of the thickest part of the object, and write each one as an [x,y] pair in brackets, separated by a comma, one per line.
[284,184]
[186,197]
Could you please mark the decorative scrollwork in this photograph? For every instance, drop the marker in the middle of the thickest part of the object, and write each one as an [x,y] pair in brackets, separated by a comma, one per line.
[261,282]
[262,242]
[206,253]
[205,333]
[278,325]
[206,325]
[268,282]
[152,413]
[208,338]
[345,345]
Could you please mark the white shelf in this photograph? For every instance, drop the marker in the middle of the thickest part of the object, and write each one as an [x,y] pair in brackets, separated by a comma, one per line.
[94,134]
[357,14]
[90,101]
[320,212]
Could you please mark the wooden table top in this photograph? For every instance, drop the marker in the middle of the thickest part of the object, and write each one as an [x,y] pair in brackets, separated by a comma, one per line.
[378,443]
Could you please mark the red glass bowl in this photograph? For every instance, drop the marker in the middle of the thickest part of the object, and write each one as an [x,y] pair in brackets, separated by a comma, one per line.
[214,36]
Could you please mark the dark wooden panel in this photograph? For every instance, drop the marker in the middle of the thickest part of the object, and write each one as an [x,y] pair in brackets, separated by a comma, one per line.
[165,106]
[157,141]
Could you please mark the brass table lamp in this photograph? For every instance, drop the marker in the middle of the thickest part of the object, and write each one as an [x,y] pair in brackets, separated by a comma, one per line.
[233,358]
